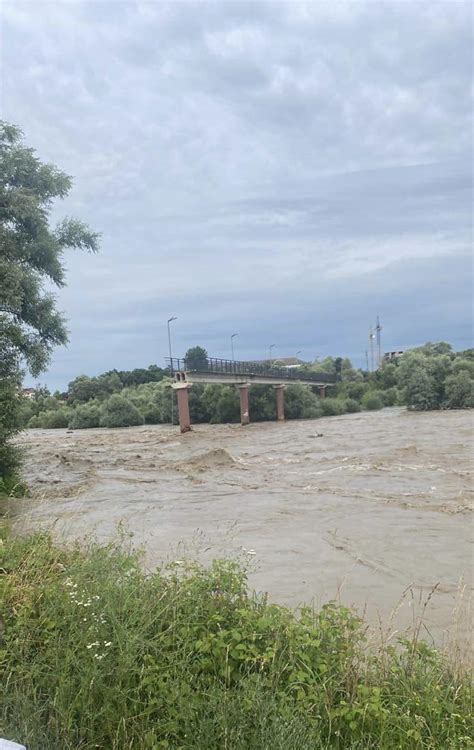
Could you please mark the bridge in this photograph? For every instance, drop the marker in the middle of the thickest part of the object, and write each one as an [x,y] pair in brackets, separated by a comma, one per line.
[242,375]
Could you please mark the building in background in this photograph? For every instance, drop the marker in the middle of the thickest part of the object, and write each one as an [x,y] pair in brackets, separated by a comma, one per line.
[390,356]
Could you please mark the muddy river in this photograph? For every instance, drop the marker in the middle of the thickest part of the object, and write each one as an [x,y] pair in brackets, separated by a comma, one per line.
[373,509]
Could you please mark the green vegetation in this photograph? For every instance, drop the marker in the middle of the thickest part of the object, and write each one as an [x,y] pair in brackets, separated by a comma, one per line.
[119,412]
[372,401]
[423,378]
[196,358]
[30,260]
[97,654]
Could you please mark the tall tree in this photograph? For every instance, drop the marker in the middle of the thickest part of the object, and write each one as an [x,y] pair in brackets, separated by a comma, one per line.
[31,254]
[196,358]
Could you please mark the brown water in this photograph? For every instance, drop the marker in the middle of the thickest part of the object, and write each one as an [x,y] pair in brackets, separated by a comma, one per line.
[358,507]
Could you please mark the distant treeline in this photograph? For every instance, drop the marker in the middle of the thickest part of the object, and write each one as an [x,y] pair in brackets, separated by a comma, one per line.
[429,377]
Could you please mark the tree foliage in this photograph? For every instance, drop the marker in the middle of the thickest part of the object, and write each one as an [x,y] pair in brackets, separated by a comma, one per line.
[32,251]
[372,401]
[196,358]
[31,261]
[422,381]
[459,390]
[117,411]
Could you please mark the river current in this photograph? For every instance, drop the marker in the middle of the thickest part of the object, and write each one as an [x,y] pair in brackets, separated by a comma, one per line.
[372,509]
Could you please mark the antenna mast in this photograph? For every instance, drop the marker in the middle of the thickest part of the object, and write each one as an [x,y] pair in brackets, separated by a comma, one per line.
[371,342]
[378,329]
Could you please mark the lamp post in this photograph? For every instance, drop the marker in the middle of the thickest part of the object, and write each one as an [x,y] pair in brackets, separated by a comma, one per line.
[170,320]
[232,345]
[271,347]
[298,352]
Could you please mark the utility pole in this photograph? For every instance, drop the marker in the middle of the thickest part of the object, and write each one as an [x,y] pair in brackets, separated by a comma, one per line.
[270,357]
[378,329]
[371,342]
[170,320]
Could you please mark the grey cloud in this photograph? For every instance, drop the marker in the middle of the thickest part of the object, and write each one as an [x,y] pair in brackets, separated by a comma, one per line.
[254,166]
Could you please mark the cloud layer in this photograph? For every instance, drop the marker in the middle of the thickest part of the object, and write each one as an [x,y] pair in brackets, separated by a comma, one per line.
[284,170]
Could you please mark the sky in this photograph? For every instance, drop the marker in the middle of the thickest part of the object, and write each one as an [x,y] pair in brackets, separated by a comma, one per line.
[283,171]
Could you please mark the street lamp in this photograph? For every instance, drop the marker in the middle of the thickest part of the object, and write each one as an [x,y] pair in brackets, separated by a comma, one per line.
[170,320]
[271,347]
[298,352]
[232,344]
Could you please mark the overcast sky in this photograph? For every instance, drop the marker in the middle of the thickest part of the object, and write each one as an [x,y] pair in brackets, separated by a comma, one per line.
[284,171]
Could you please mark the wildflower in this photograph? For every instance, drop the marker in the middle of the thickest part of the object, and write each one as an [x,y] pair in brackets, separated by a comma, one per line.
[107,643]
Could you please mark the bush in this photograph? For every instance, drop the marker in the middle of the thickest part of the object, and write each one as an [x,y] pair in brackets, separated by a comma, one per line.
[355,390]
[10,404]
[99,654]
[331,407]
[301,402]
[389,397]
[59,418]
[419,390]
[198,408]
[85,416]
[26,412]
[351,406]
[262,403]
[459,391]
[118,412]
[372,401]
[12,485]
[152,414]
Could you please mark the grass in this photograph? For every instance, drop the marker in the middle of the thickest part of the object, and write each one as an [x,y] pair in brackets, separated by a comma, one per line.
[97,654]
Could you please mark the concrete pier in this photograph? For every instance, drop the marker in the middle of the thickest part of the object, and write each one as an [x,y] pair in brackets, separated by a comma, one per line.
[183,406]
[244,404]
[280,402]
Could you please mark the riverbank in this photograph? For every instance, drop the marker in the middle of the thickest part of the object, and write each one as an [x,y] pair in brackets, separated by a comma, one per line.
[361,507]
[96,654]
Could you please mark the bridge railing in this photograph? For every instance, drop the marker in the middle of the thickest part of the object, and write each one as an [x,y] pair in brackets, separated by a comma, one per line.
[237,367]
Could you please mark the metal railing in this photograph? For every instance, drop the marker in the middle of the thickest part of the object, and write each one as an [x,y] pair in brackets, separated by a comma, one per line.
[234,367]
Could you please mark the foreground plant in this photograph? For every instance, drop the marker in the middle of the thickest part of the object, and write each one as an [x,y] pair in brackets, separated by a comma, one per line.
[97,654]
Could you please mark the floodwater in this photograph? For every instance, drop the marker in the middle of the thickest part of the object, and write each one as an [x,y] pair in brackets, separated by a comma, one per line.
[373,509]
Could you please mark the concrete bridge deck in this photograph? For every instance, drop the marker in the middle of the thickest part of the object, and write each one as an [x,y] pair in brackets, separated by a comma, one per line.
[242,375]
[232,372]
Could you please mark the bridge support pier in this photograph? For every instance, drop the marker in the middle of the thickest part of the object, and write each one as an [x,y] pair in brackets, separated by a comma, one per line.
[322,391]
[183,406]
[280,402]
[244,404]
